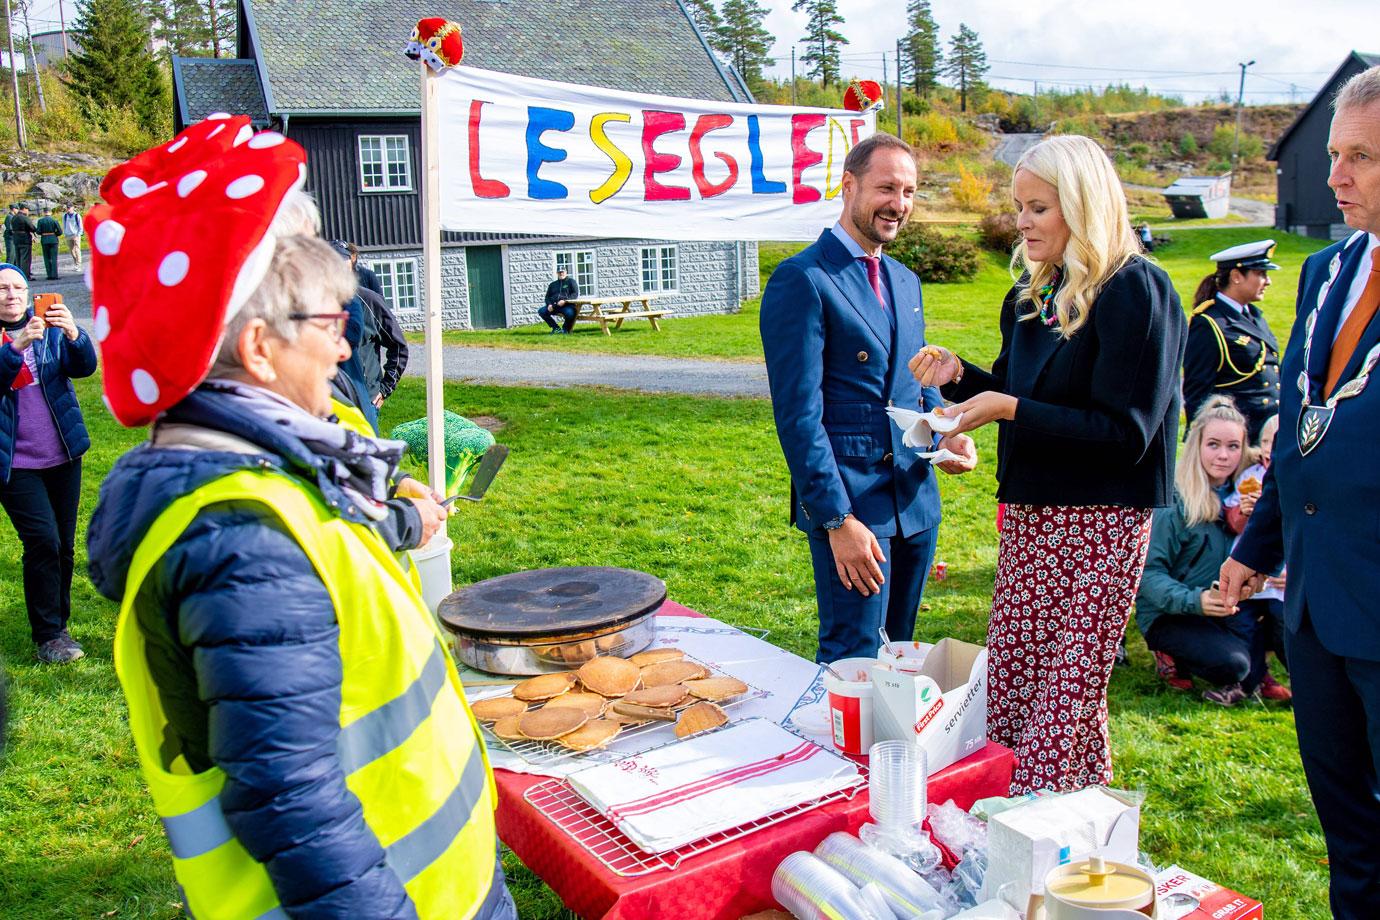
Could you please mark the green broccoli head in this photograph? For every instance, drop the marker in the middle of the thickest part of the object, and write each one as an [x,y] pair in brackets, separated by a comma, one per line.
[465,442]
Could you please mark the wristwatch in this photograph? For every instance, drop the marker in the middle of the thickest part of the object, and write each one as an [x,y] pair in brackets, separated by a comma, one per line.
[837,522]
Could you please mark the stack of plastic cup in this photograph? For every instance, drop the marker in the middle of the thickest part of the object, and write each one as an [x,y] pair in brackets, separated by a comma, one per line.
[907,894]
[898,786]
[811,890]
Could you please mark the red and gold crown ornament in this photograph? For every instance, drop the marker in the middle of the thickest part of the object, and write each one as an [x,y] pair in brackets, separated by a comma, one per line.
[179,244]
[437,41]
[863,96]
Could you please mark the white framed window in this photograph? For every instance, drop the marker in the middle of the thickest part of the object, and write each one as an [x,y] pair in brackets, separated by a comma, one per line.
[385,163]
[579,264]
[660,269]
[398,277]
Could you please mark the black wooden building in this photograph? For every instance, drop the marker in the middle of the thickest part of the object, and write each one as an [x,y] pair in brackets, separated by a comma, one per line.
[331,75]
[1306,205]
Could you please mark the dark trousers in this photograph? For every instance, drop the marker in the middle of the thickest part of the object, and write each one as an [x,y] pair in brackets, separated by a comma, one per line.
[568,312]
[1220,650]
[23,257]
[50,256]
[42,505]
[9,249]
[1337,716]
[1269,618]
[848,622]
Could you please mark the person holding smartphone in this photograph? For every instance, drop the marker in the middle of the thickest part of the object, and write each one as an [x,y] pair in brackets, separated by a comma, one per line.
[42,439]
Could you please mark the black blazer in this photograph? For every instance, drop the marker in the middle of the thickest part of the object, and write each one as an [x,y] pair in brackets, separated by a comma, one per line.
[1098,414]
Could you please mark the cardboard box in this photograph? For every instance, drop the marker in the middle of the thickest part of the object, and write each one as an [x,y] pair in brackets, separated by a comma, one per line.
[1025,843]
[943,708]
[1185,896]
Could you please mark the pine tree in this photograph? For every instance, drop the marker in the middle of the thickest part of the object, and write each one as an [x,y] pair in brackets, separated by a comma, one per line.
[114,69]
[823,40]
[194,28]
[743,39]
[924,57]
[967,63]
[221,14]
[705,16]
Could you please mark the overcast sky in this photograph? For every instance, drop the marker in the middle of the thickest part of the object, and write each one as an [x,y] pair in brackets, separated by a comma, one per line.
[1195,45]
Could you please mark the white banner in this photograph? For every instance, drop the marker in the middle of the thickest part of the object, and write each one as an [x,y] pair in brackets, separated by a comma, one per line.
[519,155]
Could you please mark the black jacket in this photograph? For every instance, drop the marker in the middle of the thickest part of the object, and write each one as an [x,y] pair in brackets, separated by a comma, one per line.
[1098,414]
[561,289]
[1235,354]
[388,339]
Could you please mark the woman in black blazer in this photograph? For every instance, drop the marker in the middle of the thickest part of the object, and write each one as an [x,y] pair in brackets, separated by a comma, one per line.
[1086,391]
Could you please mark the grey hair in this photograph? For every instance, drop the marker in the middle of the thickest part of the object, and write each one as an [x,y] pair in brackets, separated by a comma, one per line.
[306,275]
[1360,90]
[298,215]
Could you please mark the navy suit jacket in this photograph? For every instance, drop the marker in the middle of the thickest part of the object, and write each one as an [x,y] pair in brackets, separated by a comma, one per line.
[1320,514]
[834,363]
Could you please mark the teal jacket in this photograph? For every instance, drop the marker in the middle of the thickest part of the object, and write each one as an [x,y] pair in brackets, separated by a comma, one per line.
[1183,563]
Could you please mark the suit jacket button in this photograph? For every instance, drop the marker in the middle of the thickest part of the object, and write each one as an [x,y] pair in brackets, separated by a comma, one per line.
[1310,508]
[886,457]
[862,356]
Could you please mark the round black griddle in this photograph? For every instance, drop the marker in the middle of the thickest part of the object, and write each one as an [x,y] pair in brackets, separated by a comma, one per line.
[552,602]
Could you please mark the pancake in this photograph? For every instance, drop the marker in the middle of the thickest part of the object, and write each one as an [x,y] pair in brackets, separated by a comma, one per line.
[672,672]
[656,656]
[507,728]
[716,689]
[546,724]
[698,718]
[491,710]
[608,676]
[591,736]
[544,686]
[591,704]
[658,697]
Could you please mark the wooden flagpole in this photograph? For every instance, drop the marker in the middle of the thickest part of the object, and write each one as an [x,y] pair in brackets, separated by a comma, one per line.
[431,283]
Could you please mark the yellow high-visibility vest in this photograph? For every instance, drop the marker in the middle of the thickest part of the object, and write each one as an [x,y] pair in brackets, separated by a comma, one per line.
[352,417]
[409,746]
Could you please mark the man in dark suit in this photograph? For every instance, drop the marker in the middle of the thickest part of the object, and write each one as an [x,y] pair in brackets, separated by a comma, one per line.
[1231,349]
[839,322]
[23,229]
[1318,512]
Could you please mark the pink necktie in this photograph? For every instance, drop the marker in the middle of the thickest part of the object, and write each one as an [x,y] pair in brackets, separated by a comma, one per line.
[874,275]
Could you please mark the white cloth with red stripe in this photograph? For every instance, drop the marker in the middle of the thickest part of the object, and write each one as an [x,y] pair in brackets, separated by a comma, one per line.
[683,792]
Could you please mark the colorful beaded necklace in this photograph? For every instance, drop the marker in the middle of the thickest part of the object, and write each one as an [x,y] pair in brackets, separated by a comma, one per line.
[1049,315]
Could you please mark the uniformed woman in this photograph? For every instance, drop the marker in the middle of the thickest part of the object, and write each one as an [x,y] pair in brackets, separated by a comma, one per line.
[1231,350]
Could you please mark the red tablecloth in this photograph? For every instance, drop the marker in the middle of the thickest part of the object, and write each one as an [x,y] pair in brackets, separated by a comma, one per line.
[724,883]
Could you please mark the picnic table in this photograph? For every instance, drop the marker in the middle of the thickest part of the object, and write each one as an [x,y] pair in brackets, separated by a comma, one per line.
[724,883]
[601,310]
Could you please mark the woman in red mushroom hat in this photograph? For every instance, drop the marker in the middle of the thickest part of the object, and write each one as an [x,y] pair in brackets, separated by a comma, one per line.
[297,716]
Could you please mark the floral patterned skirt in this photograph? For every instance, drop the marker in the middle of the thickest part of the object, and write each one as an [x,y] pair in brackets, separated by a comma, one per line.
[1066,579]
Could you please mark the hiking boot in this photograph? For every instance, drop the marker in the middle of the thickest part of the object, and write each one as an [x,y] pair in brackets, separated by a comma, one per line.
[1229,695]
[1168,669]
[1272,689]
[60,650]
[1122,659]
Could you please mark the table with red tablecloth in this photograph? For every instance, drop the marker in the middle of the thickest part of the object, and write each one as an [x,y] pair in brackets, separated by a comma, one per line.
[723,883]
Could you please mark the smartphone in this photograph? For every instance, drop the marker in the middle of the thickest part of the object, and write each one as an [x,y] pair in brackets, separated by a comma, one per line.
[42,303]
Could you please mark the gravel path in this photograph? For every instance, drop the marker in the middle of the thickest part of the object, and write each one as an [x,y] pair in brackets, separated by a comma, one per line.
[531,367]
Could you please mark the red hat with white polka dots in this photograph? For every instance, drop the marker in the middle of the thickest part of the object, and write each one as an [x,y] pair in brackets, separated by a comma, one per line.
[178,247]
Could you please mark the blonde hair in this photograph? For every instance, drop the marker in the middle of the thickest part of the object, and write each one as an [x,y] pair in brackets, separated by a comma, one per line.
[1201,504]
[1101,240]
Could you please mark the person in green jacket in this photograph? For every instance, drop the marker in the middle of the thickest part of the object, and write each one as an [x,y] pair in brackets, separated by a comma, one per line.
[49,235]
[1178,607]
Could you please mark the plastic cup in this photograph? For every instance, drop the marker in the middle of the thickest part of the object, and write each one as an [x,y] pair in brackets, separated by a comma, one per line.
[812,890]
[905,657]
[898,784]
[906,893]
[850,704]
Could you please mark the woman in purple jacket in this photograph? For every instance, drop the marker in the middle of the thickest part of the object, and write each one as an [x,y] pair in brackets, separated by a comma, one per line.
[42,439]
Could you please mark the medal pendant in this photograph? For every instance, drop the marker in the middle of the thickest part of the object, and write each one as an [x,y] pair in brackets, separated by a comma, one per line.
[1313,423]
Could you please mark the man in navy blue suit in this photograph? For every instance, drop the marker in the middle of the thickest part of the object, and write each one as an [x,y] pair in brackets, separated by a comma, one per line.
[839,322]
[1320,512]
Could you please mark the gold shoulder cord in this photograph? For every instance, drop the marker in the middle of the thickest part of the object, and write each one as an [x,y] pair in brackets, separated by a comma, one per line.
[1225,359]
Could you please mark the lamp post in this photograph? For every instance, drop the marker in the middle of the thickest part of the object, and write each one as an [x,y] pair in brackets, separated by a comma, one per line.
[1240,96]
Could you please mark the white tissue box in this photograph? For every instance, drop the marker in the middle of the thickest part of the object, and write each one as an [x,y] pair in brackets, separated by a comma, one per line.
[1026,842]
[943,708]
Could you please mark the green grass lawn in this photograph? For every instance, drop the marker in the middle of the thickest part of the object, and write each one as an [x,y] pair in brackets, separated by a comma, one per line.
[962,316]
[693,490]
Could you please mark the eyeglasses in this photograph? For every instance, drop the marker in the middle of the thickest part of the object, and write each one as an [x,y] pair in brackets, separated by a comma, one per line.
[336,321]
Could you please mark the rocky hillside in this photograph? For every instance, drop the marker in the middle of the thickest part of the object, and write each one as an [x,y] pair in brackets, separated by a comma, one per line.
[44,180]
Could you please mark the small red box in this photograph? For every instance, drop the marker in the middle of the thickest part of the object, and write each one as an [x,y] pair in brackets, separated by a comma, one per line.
[1185,896]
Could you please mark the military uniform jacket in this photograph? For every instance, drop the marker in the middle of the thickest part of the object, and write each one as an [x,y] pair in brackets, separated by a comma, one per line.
[1232,352]
[49,229]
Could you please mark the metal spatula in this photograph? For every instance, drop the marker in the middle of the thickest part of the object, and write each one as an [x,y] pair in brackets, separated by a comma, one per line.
[484,475]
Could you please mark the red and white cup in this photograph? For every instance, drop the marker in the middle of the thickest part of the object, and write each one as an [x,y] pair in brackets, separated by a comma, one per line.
[850,704]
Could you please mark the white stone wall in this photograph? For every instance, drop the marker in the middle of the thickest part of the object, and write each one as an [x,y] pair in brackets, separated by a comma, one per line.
[707,277]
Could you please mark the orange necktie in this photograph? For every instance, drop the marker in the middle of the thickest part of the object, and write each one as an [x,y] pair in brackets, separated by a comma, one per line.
[1355,324]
